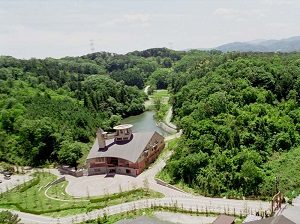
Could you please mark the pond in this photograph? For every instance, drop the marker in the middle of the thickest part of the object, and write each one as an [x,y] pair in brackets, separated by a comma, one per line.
[144,122]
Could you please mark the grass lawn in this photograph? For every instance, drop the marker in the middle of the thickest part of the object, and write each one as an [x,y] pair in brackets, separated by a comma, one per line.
[30,197]
[160,93]
[160,99]
[169,146]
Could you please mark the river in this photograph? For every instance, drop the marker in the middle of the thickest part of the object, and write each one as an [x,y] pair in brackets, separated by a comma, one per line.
[144,122]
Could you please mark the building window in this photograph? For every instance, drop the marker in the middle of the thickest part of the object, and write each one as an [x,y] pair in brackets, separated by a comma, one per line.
[128,171]
[100,160]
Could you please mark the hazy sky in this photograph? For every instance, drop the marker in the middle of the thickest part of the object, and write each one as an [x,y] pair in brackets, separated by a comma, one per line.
[53,28]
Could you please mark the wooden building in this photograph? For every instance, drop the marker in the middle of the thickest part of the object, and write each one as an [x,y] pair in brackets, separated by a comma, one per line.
[123,152]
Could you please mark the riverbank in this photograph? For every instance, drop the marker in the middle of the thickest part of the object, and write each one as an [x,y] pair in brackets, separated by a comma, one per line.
[159,102]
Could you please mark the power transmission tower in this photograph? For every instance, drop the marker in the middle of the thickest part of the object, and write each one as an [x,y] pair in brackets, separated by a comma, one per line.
[92,45]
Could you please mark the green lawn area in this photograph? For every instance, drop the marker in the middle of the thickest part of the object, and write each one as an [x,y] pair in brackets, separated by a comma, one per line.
[30,197]
[160,99]
[169,146]
[160,93]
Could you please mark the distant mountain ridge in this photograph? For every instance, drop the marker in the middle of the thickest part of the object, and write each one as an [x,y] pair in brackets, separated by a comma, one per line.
[283,45]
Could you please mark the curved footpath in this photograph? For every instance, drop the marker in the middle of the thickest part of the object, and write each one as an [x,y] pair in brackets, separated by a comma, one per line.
[169,117]
[146,89]
[217,205]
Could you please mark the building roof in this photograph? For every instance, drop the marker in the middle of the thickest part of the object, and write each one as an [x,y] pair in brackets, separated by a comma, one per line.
[281,219]
[251,218]
[224,219]
[123,126]
[128,150]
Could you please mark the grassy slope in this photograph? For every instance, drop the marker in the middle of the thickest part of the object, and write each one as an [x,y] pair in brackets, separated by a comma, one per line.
[163,95]
[286,166]
[283,165]
[33,200]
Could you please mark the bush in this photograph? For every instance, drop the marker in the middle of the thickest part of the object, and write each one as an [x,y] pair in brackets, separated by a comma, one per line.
[6,217]
[116,196]
[30,184]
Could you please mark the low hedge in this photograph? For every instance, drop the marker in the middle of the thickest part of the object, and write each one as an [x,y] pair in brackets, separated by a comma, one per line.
[40,212]
[115,196]
[30,184]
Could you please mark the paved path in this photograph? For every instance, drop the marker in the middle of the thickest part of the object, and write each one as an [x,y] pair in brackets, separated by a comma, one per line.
[146,89]
[169,117]
[173,136]
[293,211]
[14,181]
[212,204]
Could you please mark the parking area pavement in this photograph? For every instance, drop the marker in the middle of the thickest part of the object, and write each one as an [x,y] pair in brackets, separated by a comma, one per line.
[293,211]
[14,181]
[101,185]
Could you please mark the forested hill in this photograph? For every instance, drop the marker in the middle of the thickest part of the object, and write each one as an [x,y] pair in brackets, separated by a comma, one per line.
[241,121]
[291,44]
[50,109]
[239,113]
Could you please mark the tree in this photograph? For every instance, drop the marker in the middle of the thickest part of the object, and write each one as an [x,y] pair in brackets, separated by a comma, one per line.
[70,153]
[6,217]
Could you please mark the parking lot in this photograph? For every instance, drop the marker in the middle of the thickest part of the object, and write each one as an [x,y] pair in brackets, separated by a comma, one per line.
[13,181]
[101,185]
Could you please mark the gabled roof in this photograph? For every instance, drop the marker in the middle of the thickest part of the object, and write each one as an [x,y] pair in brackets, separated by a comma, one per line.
[224,219]
[273,220]
[128,150]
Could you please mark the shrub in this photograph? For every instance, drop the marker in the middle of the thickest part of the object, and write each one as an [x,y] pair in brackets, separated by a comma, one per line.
[30,184]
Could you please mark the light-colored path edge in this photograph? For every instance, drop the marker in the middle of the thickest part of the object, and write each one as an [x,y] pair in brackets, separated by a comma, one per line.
[214,205]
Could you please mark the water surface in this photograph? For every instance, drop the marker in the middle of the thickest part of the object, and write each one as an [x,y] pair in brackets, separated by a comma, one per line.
[144,122]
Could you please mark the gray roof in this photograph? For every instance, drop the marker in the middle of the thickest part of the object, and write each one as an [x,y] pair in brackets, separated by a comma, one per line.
[273,220]
[130,150]
[224,219]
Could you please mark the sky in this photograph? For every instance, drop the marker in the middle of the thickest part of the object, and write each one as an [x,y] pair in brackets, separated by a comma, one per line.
[58,28]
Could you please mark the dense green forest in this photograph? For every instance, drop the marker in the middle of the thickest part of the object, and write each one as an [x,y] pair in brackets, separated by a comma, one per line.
[241,120]
[239,113]
[51,108]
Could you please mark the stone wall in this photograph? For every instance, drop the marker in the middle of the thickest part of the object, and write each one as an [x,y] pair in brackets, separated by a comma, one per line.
[70,171]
